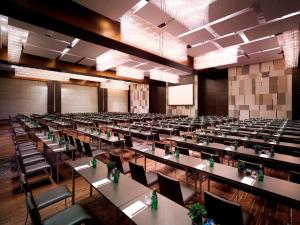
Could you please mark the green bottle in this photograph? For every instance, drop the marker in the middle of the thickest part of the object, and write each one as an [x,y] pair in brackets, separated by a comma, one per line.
[211,163]
[94,162]
[116,176]
[153,146]
[154,199]
[177,154]
[272,151]
[261,175]
[99,132]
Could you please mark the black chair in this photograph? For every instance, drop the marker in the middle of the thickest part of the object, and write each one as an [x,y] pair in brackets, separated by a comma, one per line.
[295,177]
[71,140]
[160,145]
[79,145]
[156,137]
[129,143]
[253,166]
[65,137]
[123,168]
[46,198]
[138,173]
[225,212]
[70,216]
[208,156]
[175,191]
[89,153]
[183,151]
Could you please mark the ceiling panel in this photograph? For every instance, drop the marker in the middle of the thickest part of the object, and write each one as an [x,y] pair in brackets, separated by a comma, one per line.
[145,67]
[70,58]
[233,39]
[112,9]
[178,72]
[236,23]
[219,9]
[175,28]
[153,14]
[201,49]
[62,37]
[27,26]
[43,41]
[88,62]
[46,53]
[130,63]
[260,57]
[197,37]
[261,45]
[273,28]
[86,49]
[272,9]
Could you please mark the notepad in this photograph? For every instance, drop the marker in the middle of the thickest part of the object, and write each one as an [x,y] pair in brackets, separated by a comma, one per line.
[134,209]
[200,144]
[82,167]
[52,144]
[227,148]
[101,182]
[272,142]
[248,180]
[200,167]
[58,149]
[244,139]
[167,156]
[145,149]
[264,155]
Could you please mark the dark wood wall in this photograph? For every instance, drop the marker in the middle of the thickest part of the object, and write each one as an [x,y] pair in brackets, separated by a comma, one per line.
[102,99]
[157,97]
[54,97]
[296,94]
[213,92]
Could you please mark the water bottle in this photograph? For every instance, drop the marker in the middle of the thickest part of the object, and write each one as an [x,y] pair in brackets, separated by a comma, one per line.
[154,200]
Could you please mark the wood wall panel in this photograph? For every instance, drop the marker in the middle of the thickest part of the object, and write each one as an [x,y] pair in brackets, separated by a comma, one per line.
[296,94]
[157,97]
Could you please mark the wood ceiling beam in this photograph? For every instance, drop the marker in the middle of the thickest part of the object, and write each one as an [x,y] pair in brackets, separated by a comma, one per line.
[70,18]
[61,66]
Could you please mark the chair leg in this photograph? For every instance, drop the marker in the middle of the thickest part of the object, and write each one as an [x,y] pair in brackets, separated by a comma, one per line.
[65,202]
[26,218]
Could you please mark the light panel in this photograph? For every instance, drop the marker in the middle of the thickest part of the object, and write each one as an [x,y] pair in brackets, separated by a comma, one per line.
[164,76]
[16,38]
[216,58]
[110,59]
[115,84]
[190,13]
[140,33]
[290,46]
[130,72]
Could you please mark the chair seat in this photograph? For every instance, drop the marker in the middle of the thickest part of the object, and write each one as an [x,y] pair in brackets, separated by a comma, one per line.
[37,167]
[73,215]
[33,159]
[126,168]
[151,178]
[98,152]
[187,193]
[29,153]
[25,143]
[26,148]
[52,196]
[248,218]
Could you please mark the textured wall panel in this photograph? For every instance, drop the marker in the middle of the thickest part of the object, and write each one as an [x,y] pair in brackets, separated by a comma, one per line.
[260,90]
[139,98]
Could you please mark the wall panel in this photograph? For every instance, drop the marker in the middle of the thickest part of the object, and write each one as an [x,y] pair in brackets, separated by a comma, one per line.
[117,100]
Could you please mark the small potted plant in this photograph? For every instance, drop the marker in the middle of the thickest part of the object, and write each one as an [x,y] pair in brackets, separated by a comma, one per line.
[196,213]
[241,165]
[167,149]
[236,145]
[110,165]
[257,148]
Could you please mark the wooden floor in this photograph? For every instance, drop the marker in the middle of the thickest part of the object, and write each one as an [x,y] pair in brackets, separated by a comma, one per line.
[12,203]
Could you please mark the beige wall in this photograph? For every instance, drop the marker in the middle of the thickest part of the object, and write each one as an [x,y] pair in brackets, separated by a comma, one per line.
[76,98]
[191,111]
[260,90]
[22,96]
[139,98]
[117,100]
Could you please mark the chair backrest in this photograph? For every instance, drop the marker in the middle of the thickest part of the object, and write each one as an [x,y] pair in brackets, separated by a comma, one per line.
[78,145]
[208,156]
[176,132]
[33,210]
[138,173]
[71,140]
[223,211]
[253,166]
[65,136]
[20,162]
[75,126]
[24,183]
[156,137]
[170,188]
[159,145]
[295,177]
[183,151]
[228,142]
[128,141]
[117,159]
[87,149]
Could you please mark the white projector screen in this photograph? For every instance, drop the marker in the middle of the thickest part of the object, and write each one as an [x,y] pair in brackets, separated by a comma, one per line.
[181,95]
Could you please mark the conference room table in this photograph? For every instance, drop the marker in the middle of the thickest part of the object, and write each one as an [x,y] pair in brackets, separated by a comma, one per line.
[83,122]
[61,125]
[102,121]
[154,128]
[278,161]
[54,147]
[127,193]
[281,191]
[282,147]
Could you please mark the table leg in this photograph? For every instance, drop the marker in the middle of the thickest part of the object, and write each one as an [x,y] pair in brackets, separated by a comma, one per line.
[145,162]
[73,186]
[91,190]
[200,188]
[135,156]
[208,184]
[57,167]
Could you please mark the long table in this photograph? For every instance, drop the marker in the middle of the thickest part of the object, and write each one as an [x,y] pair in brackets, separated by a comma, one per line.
[278,190]
[128,192]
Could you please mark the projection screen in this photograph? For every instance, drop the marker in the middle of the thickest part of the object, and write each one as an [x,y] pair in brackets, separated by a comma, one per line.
[181,95]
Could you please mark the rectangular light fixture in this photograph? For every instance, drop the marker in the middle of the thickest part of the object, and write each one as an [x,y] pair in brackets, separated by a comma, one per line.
[190,13]
[116,84]
[16,38]
[290,46]
[83,77]
[130,72]
[216,58]
[140,33]
[110,59]
[164,76]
